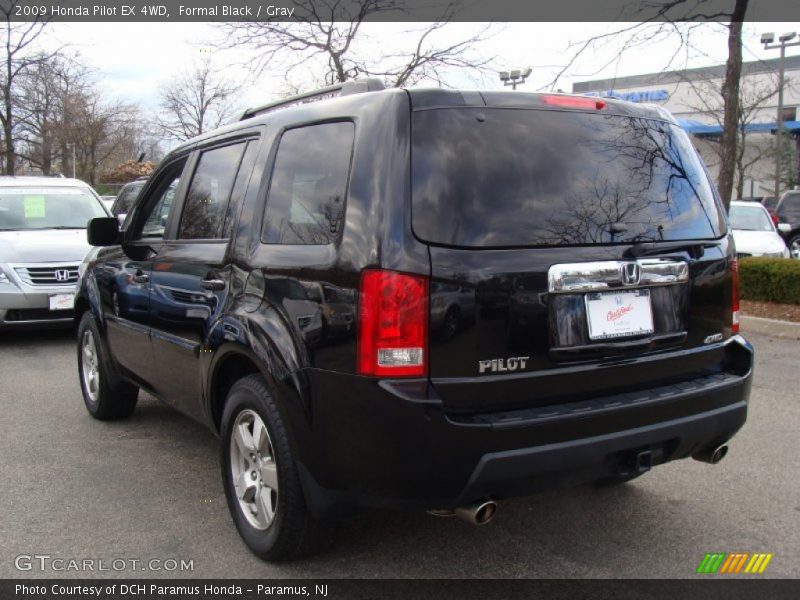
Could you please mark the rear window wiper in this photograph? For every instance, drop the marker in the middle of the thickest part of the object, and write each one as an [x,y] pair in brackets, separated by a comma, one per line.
[647,248]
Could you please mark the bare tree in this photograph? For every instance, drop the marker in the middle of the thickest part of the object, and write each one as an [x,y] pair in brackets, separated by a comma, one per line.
[753,97]
[678,20]
[101,130]
[326,41]
[197,102]
[43,94]
[17,60]
[65,122]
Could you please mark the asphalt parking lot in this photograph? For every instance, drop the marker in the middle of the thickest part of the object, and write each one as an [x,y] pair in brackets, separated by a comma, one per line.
[149,488]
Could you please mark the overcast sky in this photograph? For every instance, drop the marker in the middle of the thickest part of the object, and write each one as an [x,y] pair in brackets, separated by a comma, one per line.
[132,59]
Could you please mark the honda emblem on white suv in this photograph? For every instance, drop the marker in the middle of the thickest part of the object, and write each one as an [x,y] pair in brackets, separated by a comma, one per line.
[62,275]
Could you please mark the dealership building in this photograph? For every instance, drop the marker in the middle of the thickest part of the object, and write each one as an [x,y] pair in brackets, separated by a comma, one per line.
[694,97]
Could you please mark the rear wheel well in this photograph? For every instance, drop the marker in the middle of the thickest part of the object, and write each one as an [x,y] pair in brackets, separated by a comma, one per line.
[232,368]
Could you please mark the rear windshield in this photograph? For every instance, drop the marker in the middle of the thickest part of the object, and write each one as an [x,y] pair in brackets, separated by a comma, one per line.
[47,208]
[510,177]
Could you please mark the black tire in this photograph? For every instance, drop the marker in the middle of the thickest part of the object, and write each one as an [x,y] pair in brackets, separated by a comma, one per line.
[113,398]
[292,531]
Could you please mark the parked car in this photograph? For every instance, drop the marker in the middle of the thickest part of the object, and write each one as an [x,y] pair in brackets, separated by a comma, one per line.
[769,202]
[788,212]
[42,243]
[452,307]
[754,232]
[126,198]
[606,331]
[337,305]
[306,315]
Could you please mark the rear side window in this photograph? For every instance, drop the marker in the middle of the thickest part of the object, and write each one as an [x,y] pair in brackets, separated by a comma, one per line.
[506,177]
[207,199]
[309,183]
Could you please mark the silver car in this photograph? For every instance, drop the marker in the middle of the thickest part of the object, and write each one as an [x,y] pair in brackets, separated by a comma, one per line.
[42,245]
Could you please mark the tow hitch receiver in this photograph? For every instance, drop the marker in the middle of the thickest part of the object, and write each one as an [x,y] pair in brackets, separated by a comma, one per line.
[644,461]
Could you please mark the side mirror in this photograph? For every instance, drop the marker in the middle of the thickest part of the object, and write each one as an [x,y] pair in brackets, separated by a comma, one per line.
[103,231]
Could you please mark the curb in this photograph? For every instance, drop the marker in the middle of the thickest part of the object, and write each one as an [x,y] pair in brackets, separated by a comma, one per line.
[774,327]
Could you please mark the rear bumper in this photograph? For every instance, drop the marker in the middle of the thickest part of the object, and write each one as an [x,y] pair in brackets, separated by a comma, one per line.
[390,443]
[528,470]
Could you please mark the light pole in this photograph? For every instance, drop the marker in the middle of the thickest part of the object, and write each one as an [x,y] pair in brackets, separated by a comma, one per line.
[72,145]
[515,77]
[768,40]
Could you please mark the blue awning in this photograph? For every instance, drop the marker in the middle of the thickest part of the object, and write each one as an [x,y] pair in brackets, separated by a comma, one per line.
[704,130]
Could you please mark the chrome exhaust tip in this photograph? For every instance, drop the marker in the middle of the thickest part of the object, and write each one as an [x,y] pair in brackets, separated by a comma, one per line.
[712,455]
[477,513]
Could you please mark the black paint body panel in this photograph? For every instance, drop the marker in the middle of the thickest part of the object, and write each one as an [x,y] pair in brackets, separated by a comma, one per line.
[432,442]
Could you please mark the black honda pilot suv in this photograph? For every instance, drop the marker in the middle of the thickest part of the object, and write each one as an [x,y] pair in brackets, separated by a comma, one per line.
[579,243]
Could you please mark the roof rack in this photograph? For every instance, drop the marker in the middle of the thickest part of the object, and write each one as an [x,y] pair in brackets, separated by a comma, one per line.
[357,86]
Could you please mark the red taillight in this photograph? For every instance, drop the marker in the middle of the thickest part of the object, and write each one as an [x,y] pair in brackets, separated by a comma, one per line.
[574,102]
[735,297]
[392,324]
[775,218]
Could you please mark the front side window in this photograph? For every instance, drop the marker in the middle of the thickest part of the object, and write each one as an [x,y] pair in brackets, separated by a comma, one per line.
[47,208]
[160,200]
[208,195]
[309,183]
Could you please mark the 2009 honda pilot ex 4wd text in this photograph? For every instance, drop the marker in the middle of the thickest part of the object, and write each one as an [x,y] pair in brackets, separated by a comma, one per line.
[577,246]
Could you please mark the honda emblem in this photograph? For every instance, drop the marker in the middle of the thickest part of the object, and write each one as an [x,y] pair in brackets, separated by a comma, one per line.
[630,273]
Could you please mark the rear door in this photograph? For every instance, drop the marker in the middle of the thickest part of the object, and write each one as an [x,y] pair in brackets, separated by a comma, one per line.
[590,245]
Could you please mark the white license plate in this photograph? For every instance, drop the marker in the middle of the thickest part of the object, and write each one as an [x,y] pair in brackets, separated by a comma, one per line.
[62,302]
[619,314]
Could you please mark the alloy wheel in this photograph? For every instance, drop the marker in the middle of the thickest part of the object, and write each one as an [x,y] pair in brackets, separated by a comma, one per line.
[90,366]
[254,469]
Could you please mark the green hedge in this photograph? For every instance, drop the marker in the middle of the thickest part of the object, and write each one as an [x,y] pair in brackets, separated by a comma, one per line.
[770,279]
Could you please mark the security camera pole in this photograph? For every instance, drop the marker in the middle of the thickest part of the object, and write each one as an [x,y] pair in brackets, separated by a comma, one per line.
[515,77]
[768,40]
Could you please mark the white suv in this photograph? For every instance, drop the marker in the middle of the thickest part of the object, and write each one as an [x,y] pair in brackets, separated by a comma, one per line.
[42,244]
